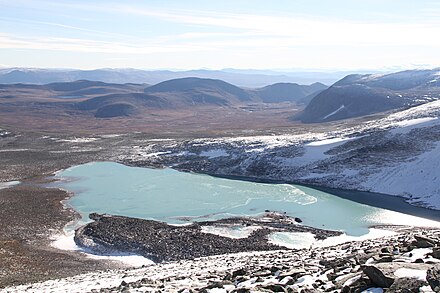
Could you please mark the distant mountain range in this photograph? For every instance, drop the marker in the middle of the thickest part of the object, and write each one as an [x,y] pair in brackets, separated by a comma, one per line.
[242,78]
[353,96]
[359,95]
[107,100]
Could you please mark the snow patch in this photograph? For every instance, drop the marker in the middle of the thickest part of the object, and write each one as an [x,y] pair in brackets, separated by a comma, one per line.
[328,141]
[315,151]
[78,139]
[215,153]
[411,273]
[294,240]
[15,150]
[66,242]
[406,126]
[235,232]
[8,184]
[157,154]
[334,112]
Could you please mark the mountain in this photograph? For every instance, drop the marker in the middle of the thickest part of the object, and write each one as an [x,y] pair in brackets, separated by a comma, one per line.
[291,92]
[198,91]
[359,95]
[172,94]
[133,99]
[242,78]
[108,100]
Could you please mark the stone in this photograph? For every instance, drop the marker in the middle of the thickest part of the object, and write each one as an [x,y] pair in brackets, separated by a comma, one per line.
[386,250]
[241,290]
[406,285]
[292,273]
[358,285]
[436,252]
[385,258]
[309,290]
[377,277]
[423,242]
[433,277]
[239,272]
[274,288]
[287,281]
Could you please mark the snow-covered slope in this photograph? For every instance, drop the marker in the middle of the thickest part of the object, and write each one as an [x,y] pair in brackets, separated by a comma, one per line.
[398,154]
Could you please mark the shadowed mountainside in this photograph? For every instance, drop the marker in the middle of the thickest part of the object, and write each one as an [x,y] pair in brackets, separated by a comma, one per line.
[359,95]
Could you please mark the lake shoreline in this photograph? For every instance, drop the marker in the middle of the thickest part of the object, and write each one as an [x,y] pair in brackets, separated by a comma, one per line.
[379,200]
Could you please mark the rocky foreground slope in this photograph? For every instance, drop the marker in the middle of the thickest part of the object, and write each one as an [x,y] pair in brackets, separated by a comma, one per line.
[406,262]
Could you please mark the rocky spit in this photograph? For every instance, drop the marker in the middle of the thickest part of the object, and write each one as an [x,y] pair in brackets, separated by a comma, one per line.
[160,241]
[409,261]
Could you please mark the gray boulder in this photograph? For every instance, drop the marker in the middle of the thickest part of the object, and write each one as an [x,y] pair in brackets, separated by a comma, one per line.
[433,277]
[377,277]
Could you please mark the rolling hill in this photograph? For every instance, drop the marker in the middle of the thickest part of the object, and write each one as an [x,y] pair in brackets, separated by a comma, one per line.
[199,91]
[291,92]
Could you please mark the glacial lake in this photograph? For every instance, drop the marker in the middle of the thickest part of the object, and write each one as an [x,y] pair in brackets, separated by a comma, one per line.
[168,195]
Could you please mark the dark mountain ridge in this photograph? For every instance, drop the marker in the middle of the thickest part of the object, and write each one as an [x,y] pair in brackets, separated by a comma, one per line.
[358,95]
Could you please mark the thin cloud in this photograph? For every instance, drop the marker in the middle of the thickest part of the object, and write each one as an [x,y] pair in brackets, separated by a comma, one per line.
[60,25]
[84,45]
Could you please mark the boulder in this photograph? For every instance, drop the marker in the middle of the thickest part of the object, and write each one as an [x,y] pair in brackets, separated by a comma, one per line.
[377,277]
[433,277]
[436,252]
[423,242]
[274,287]
[239,272]
[406,285]
[359,285]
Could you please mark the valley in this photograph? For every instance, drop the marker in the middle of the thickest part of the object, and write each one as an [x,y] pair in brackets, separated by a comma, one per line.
[201,126]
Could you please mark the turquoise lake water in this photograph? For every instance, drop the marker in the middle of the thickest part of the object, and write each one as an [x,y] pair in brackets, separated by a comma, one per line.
[166,195]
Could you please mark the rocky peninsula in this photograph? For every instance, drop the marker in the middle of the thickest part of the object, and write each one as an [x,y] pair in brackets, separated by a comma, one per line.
[161,242]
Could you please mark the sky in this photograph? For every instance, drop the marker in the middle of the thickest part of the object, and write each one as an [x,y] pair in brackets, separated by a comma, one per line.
[243,34]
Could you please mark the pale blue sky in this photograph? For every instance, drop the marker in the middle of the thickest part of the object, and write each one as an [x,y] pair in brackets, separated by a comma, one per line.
[191,34]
